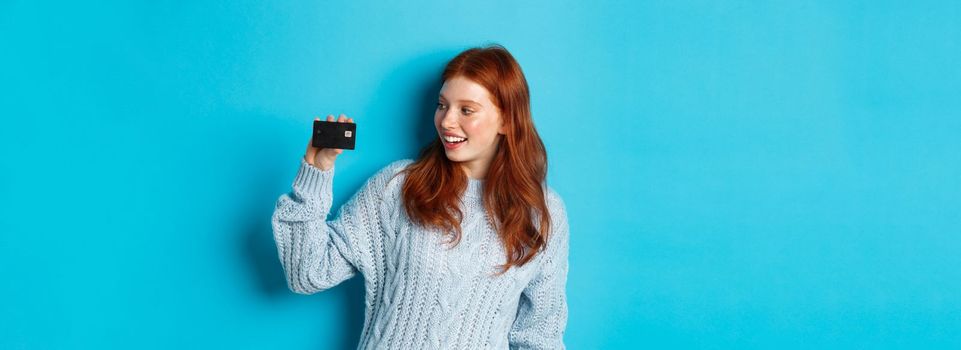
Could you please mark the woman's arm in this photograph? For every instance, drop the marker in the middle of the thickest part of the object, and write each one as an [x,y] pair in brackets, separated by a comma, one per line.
[317,254]
[542,311]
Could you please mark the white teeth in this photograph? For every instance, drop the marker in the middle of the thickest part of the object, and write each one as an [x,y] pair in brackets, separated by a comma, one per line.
[453,139]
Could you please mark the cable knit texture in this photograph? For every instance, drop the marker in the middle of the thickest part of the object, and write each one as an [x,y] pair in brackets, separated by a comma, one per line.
[420,292]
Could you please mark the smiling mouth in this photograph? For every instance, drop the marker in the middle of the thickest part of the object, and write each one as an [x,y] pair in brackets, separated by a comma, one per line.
[453,140]
[452,145]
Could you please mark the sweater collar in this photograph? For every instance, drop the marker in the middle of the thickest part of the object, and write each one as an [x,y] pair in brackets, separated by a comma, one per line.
[475,188]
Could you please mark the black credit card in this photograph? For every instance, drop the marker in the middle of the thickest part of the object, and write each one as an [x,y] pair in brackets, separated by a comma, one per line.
[334,134]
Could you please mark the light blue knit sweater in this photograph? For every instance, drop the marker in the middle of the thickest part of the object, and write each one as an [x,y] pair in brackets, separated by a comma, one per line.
[419,293]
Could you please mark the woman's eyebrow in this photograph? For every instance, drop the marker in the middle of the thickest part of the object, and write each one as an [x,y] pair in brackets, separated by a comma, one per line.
[468,101]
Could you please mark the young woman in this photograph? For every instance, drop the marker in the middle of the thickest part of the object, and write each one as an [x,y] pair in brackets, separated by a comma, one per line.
[465,247]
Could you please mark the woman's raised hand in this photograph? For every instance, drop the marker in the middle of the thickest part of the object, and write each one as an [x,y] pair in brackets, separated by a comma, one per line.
[323,158]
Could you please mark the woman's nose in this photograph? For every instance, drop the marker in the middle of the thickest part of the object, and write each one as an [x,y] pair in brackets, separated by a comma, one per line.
[447,121]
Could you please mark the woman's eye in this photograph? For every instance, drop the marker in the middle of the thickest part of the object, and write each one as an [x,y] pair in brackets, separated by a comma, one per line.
[466,111]
[440,105]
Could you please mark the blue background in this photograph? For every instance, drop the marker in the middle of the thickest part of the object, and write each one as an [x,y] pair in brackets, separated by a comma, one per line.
[738,174]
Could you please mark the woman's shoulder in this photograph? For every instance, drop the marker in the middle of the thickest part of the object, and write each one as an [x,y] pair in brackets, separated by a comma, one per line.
[558,212]
[554,201]
[398,165]
[393,169]
[389,178]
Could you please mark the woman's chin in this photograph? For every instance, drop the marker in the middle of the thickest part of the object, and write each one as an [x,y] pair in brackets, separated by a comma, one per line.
[453,156]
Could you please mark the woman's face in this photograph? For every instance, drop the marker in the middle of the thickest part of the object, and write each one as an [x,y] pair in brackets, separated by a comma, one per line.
[466,112]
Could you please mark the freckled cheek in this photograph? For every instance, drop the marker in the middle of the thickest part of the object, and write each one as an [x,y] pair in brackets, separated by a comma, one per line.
[476,128]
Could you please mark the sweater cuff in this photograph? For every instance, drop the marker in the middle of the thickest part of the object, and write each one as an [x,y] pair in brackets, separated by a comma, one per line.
[311,180]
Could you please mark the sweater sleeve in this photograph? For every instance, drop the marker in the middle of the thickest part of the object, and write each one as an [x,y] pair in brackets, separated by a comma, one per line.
[542,311]
[317,254]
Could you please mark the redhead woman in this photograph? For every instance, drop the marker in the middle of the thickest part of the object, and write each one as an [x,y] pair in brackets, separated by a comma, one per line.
[464,247]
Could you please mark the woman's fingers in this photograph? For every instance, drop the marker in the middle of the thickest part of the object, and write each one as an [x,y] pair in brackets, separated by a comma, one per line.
[326,155]
[311,150]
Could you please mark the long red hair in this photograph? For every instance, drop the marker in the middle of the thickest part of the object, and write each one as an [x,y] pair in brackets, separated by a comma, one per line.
[513,193]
